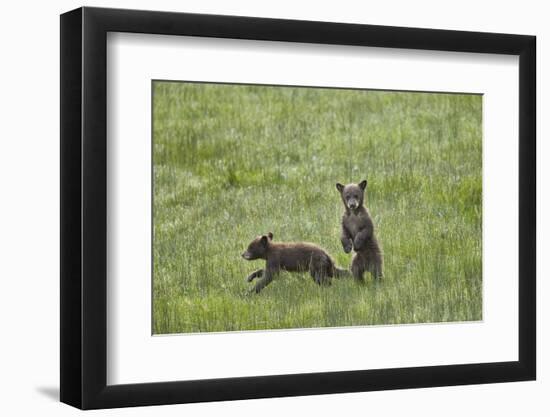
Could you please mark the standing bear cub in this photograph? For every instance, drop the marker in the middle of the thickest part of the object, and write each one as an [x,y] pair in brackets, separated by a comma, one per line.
[358,232]
[292,257]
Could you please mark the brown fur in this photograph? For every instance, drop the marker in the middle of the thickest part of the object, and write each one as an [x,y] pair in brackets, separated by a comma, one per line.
[358,232]
[292,257]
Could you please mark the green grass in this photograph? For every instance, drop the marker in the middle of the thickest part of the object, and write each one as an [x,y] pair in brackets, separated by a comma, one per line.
[233,162]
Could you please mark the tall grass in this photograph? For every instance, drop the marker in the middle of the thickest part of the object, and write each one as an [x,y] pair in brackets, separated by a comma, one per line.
[235,161]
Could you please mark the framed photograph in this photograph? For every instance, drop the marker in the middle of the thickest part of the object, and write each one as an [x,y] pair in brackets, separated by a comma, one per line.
[256,208]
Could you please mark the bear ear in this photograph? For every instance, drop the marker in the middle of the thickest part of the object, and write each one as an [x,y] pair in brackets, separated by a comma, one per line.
[263,240]
[363,184]
[339,187]
[270,235]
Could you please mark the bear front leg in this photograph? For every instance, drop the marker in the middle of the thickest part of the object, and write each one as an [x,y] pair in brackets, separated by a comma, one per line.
[263,282]
[347,242]
[256,274]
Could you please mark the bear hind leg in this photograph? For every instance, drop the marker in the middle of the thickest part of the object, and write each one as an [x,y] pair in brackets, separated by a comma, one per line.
[321,272]
[358,268]
[376,266]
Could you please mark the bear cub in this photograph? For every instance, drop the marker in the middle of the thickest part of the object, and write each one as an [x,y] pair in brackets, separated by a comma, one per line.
[292,257]
[358,232]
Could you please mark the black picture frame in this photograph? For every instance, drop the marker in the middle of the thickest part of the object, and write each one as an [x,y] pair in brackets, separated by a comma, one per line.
[84,207]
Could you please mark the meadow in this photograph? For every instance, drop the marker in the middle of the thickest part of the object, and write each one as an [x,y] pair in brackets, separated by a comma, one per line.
[231,162]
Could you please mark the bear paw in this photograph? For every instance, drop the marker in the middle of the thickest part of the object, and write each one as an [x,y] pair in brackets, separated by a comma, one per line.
[347,246]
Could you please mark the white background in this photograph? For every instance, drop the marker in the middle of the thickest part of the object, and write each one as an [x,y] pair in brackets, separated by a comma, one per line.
[134,356]
[29,228]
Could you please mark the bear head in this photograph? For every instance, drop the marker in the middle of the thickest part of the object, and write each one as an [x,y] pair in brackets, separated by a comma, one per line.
[257,249]
[352,194]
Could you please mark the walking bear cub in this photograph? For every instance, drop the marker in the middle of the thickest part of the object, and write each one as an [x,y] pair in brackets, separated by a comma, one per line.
[292,257]
[358,232]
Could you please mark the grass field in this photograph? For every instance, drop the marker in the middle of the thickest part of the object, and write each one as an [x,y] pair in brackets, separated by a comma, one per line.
[233,162]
